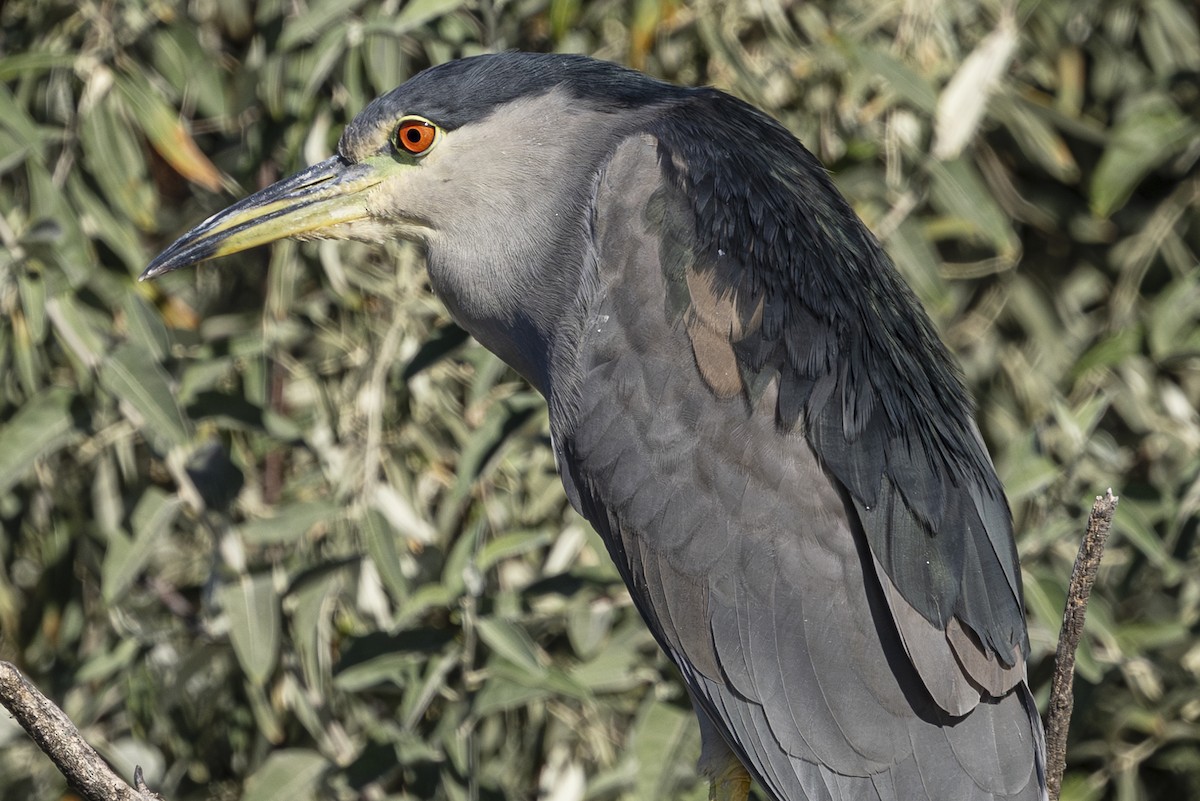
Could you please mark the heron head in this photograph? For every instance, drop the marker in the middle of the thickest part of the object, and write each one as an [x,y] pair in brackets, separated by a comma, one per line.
[489,162]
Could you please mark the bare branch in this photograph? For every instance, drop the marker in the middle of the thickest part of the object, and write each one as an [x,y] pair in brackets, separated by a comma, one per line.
[58,738]
[1083,575]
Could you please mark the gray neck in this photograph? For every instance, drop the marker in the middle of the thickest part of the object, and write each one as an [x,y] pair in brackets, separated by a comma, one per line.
[515,260]
[535,330]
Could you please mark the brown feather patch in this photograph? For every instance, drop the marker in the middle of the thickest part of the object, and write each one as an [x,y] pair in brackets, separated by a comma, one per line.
[710,322]
[715,358]
[715,310]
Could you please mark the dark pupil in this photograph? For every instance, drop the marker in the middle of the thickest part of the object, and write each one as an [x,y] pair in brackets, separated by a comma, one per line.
[413,135]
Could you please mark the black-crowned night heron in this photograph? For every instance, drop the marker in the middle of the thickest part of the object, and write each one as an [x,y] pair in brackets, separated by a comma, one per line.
[745,399]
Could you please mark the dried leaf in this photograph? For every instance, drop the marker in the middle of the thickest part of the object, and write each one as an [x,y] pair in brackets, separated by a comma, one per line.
[962,103]
[168,136]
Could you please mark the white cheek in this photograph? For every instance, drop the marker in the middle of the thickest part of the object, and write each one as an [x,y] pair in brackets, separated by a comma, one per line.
[380,230]
[375,231]
[395,209]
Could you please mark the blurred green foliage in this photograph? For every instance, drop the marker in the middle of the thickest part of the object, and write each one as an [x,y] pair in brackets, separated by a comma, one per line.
[275,530]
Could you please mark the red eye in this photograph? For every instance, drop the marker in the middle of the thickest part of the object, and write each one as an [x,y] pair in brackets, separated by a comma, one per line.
[415,136]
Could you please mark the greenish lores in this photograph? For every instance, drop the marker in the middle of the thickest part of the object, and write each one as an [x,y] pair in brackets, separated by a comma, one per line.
[745,399]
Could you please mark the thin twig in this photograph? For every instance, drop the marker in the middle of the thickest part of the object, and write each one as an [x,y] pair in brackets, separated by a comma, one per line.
[1083,575]
[58,738]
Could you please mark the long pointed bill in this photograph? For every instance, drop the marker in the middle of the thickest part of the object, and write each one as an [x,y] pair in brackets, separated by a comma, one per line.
[305,205]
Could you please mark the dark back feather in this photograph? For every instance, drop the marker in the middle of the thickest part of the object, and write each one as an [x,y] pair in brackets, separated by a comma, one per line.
[819,305]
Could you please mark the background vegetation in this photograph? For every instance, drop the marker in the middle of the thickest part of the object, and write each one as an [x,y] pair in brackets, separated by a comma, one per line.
[275,530]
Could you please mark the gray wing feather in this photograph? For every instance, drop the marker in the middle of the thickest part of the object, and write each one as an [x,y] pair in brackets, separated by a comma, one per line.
[749,560]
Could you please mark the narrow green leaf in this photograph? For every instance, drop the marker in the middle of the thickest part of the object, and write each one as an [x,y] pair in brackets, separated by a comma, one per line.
[154,514]
[1170,34]
[32,291]
[897,77]
[1172,325]
[20,65]
[135,378]
[917,259]
[429,596]
[1150,131]
[78,329]
[12,155]
[176,52]
[291,524]
[28,356]
[1028,475]
[1132,521]
[72,252]
[16,120]
[1032,127]
[328,52]
[254,627]
[118,235]
[662,738]
[484,443]
[310,605]
[384,61]
[288,775]
[115,157]
[1081,787]
[589,626]
[508,546]
[393,669]
[500,695]
[322,17]
[42,426]
[418,12]
[1109,352]
[145,326]
[553,679]
[513,643]
[381,547]
[959,192]
[105,664]
[161,125]
[125,557]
